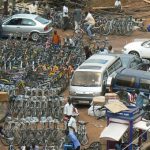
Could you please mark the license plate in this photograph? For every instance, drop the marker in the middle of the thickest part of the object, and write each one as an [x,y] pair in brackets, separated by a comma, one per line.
[84,102]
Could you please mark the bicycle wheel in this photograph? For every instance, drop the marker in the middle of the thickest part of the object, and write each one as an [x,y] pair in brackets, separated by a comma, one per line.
[95,146]
[83,138]
[78,34]
[105,29]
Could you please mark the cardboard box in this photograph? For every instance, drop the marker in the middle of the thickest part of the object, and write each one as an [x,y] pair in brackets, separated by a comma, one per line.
[4,97]
[111,97]
[99,100]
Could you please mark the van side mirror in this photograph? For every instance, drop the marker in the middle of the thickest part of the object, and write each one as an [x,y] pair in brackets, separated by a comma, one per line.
[108,82]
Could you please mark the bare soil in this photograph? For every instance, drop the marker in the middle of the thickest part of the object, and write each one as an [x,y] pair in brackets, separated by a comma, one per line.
[137,8]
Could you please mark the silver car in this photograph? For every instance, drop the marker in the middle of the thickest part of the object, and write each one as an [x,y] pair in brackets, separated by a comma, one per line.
[27,23]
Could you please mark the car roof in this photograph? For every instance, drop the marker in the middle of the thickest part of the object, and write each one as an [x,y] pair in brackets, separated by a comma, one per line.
[97,62]
[134,72]
[29,16]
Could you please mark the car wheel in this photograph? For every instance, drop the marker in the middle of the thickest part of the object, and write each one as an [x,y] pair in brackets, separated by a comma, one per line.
[34,36]
[134,53]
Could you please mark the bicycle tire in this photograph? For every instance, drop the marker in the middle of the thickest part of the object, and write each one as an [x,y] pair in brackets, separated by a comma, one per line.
[84,139]
[78,34]
[105,29]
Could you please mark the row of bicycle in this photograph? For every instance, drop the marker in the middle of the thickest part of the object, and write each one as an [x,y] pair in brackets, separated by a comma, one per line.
[36,106]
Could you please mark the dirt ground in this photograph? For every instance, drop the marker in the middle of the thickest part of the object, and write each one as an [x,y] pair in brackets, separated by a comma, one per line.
[137,8]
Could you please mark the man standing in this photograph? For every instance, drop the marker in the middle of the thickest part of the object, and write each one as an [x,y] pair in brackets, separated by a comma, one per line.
[118,5]
[33,8]
[56,40]
[65,17]
[68,108]
[77,15]
[89,23]
[5,7]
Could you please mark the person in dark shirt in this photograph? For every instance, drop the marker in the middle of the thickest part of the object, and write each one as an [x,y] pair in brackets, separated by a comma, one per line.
[87,51]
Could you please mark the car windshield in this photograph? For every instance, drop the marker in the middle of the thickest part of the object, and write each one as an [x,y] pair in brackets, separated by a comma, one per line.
[41,20]
[86,79]
[146,43]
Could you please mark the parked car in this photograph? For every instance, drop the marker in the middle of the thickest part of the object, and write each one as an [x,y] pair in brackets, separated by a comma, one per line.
[131,79]
[27,23]
[139,48]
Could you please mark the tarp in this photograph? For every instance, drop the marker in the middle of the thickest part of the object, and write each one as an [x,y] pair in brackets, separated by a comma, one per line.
[143,125]
[114,131]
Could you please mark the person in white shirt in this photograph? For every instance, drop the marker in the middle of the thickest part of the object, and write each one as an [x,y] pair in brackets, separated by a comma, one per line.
[118,4]
[72,124]
[89,23]
[68,108]
[33,8]
[65,17]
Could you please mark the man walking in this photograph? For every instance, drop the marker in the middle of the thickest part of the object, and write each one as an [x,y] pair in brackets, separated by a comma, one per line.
[77,15]
[65,17]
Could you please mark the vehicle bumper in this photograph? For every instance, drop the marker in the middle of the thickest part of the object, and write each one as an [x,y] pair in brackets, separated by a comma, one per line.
[81,100]
[46,32]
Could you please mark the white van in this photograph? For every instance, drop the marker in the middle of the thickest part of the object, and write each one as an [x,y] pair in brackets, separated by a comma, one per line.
[89,79]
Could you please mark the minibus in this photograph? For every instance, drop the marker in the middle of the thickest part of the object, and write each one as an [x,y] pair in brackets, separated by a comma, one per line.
[89,79]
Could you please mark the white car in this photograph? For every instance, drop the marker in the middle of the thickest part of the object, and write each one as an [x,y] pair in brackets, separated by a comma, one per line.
[27,23]
[139,48]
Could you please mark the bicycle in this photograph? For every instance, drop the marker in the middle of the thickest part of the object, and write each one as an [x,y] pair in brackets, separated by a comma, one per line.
[82,133]
[79,33]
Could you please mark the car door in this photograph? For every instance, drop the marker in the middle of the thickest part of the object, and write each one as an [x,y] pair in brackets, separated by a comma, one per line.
[27,25]
[12,25]
[146,50]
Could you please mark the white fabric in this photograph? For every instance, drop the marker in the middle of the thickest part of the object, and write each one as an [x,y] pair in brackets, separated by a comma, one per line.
[114,131]
[96,112]
[72,123]
[65,11]
[68,109]
[90,20]
[33,8]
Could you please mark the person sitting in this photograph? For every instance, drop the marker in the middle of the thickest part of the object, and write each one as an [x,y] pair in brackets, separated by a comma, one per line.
[123,96]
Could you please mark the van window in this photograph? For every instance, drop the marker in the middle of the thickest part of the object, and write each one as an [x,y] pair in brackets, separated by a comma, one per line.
[145,84]
[125,81]
[116,65]
[88,78]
